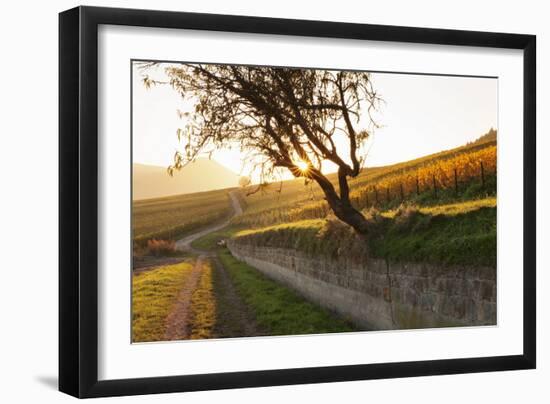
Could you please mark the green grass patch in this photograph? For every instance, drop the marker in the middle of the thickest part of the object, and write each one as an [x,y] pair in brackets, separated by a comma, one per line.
[302,235]
[326,237]
[278,309]
[467,238]
[154,293]
[457,233]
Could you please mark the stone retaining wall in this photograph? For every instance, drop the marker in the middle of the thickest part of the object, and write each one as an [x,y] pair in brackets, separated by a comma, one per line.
[380,295]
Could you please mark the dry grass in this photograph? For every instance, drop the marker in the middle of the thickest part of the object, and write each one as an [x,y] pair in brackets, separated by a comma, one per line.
[175,216]
[153,295]
[450,209]
[159,248]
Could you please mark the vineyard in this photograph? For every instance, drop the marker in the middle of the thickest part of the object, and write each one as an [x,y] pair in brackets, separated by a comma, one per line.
[468,171]
[464,174]
[175,216]
[454,173]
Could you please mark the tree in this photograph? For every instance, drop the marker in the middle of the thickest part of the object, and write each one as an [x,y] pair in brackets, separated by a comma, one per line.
[284,117]
[244,181]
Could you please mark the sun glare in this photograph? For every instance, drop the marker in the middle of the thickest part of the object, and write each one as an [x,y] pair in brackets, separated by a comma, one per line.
[302,165]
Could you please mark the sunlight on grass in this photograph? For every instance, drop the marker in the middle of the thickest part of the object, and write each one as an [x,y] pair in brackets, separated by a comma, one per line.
[461,233]
[153,295]
[311,224]
[292,201]
[451,209]
[203,305]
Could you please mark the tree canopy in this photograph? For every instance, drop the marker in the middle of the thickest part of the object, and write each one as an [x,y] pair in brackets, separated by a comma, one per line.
[296,119]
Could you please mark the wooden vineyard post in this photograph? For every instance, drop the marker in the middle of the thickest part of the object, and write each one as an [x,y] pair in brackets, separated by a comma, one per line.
[435,185]
[401,191]
[417,186]
[376,195]
[388,194]
[456,182]
[482,169]
[367,198]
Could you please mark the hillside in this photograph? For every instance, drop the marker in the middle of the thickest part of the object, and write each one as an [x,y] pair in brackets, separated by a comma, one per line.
[384,188]
[381,186]
[490,136]
[456,233]
[202,175]
[173,217]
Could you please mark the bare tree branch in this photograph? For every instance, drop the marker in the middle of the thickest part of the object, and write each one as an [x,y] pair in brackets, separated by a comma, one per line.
[287,117]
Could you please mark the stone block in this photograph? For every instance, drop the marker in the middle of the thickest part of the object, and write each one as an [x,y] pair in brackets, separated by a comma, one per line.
[488,312]
[462,294]
[427,301]
[459,307]
[486,289]
[488,273]
[411,298]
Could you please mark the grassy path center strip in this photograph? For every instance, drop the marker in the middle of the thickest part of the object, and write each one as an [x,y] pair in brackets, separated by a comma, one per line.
[203,305]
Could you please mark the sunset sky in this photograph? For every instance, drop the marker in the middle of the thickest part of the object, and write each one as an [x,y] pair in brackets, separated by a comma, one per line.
[421,115]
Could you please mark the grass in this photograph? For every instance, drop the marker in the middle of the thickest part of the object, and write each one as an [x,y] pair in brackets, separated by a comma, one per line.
[451,209]
[277,308]
[160,248]
[296,202]
[302,235]
[153,295]
[210,240]
[462,233]
[467,238]
[203,306]
[173,217]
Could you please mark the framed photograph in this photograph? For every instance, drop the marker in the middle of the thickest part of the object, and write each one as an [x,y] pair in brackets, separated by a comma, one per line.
[251,201]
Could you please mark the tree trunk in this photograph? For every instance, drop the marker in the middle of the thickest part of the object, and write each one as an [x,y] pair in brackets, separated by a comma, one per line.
[349,215]
[340,204]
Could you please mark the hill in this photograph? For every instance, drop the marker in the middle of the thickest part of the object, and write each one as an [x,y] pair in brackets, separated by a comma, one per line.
[387,185]
[202,175]
[490,136]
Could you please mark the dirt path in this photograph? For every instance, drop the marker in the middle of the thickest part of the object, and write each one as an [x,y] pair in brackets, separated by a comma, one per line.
[177,322]
[184,244]
[233,317]
[147,263]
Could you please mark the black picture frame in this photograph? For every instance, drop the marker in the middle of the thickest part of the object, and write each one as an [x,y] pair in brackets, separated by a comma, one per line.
[78,201]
